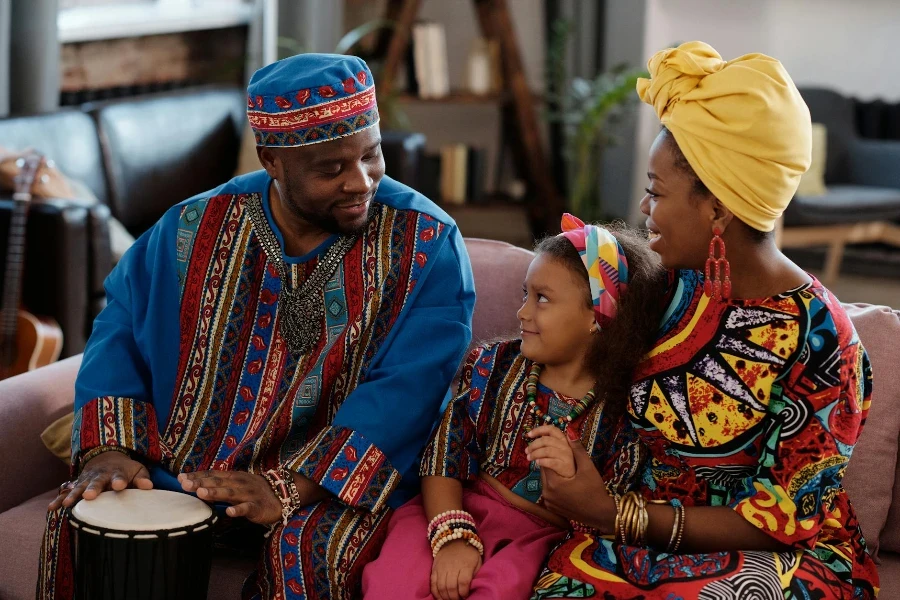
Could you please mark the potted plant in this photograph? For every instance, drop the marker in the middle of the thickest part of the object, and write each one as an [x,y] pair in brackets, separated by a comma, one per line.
[588,110]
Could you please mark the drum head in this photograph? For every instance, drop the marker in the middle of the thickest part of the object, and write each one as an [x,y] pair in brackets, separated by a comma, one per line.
[142,510]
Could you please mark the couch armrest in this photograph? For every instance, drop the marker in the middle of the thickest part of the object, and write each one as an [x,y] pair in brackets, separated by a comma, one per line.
[874,162]
[28,404]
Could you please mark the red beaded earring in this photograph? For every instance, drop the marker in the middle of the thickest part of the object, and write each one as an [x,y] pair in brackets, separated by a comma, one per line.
[718,272]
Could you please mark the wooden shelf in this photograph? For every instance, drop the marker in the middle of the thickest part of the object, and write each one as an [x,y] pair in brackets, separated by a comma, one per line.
[464,98]
[455,98]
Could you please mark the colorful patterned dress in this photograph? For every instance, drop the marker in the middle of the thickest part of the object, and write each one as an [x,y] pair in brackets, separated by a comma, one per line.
[187,369]
[483,431]
[754,405]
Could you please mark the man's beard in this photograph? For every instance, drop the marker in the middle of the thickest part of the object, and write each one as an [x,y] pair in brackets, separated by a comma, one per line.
[326,221]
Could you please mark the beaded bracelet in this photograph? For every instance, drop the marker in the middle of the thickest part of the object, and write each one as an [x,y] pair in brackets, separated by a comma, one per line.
[450,523]
[449,514]
[470,537]
[445,528]
[95,452]
[282,484]
[581,527]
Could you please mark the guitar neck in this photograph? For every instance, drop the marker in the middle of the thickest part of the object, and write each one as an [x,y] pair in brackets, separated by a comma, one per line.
[15,258]
[15,254]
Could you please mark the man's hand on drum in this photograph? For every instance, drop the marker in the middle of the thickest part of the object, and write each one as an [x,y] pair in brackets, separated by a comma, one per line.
[106,471]
[250,495]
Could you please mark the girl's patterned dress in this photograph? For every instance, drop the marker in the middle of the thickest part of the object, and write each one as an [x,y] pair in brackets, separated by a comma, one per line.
[482,431]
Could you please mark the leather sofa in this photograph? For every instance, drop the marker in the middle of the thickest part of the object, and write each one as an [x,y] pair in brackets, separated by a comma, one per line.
[139,157]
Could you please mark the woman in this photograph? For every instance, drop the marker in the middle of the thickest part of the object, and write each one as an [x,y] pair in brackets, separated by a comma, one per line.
[757,388]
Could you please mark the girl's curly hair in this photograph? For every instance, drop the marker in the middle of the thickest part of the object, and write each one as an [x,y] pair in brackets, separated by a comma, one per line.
[621,345]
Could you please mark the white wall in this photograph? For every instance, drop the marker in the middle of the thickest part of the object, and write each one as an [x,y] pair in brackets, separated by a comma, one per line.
[852,47]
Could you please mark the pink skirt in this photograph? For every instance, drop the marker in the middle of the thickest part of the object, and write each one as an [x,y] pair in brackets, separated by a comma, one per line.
[516,544]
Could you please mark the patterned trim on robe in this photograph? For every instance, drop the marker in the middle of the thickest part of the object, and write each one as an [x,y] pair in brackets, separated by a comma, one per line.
[120,422]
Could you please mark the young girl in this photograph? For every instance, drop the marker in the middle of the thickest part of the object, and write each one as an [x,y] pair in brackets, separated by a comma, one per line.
[479,529]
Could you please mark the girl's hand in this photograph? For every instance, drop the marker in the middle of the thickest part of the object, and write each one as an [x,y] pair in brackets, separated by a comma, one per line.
[453,570]
[566,496]
[551,450]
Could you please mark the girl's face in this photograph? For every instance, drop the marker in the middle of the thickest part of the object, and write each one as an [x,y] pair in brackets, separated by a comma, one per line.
[556,321]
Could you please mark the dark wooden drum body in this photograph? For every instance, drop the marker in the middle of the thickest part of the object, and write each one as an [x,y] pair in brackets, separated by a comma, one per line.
[142,545]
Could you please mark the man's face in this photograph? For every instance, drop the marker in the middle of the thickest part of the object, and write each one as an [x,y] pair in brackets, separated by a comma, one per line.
[331,185]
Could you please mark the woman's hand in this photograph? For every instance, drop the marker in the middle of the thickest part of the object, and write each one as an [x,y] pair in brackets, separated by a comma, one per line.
[453,570]
[581,497]
[551,450]
[250,495]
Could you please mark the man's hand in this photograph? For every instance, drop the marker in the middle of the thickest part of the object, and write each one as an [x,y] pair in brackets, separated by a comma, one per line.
[453,570]
[250,495]
[107,471]
[550,449]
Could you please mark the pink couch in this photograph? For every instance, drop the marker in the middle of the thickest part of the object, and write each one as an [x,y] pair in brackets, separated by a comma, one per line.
[29,473]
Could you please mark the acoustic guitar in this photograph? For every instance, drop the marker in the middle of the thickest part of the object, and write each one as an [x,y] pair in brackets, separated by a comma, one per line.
[26,341]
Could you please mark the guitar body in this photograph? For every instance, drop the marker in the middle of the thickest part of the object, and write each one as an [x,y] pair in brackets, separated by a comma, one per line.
[26,342]
[39,342]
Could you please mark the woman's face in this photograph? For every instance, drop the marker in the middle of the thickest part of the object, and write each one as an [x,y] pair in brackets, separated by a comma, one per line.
[555,318]
[680,221]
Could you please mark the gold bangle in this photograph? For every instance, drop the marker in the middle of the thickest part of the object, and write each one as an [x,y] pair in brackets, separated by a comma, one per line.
[643,519]
[618,501]
[625,516]
[633,519]
[676,518]
[681,522]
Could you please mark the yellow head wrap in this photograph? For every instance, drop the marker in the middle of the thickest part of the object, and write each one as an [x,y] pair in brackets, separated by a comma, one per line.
[741,124]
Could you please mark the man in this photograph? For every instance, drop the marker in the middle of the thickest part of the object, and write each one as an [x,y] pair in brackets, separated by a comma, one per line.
[280,344]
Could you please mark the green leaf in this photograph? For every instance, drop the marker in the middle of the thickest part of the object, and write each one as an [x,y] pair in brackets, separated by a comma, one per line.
[353,37]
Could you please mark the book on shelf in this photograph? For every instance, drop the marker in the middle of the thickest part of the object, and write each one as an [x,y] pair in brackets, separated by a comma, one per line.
[483,76]
[461,175]
[429,61]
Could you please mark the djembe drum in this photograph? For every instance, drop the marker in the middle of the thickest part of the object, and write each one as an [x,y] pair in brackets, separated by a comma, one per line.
[142,545]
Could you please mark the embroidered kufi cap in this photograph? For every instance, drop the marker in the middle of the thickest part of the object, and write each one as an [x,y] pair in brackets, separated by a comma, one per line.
[311,98]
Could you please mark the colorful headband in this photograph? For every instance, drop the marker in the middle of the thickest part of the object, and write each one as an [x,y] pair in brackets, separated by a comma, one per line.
[605,262]
[311,98]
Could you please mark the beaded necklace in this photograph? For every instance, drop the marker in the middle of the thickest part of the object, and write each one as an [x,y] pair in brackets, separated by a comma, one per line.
[540,417]
[301,310]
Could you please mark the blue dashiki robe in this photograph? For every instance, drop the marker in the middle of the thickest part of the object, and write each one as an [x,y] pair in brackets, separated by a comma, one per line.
[186,367]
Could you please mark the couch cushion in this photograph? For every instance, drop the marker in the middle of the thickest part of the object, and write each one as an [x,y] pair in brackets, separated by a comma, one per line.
[69,137]
[164,149]
[499,270]
[889,573]
[21,529]
[890,537]
[872,471]
[844,204]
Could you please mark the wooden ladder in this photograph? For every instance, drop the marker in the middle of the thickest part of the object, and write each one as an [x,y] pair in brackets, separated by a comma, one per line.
[544,204]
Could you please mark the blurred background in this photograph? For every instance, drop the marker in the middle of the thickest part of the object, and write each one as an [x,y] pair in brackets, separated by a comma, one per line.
[505,112]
